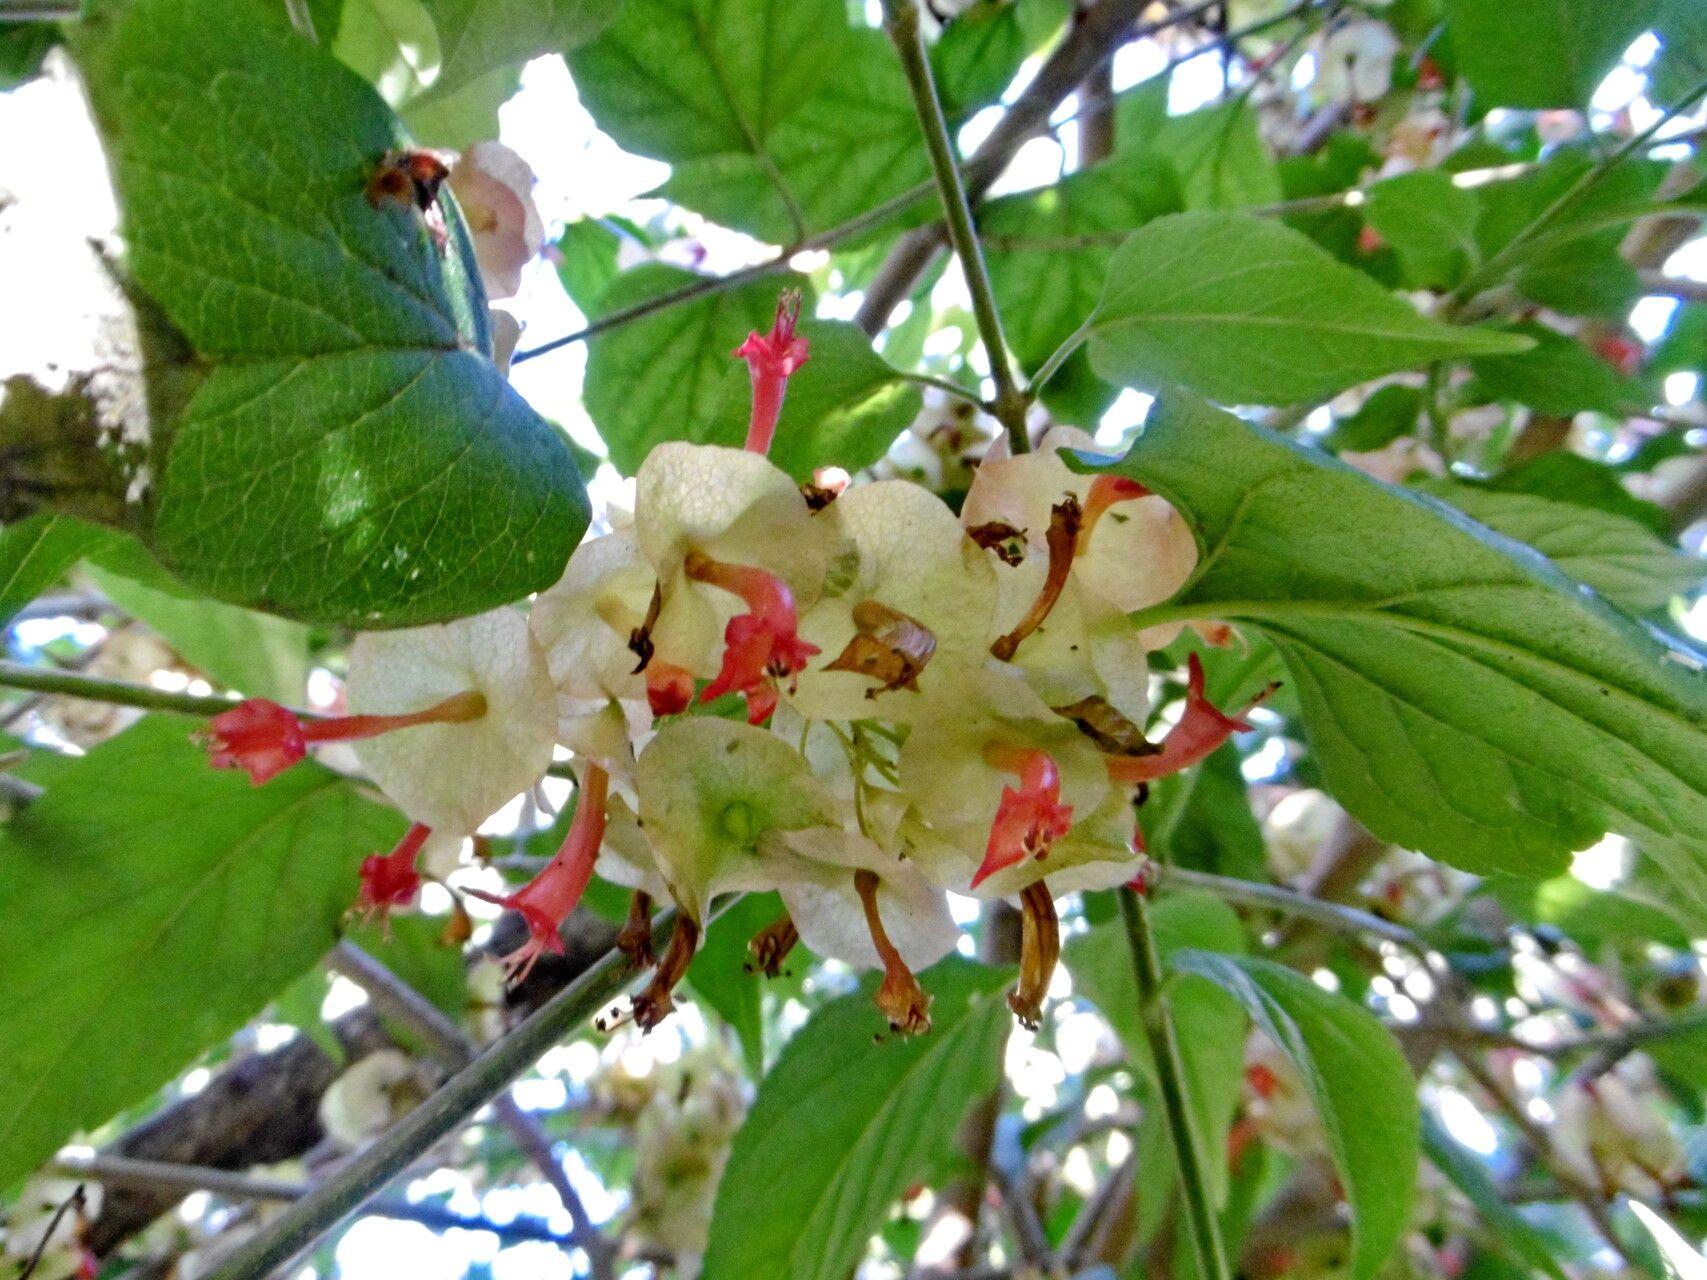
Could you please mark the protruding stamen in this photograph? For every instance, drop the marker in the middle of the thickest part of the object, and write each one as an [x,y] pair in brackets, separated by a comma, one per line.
[1106,490]
[770,946]
[546,901]
[1039,951]
[1028,820]
[640,639]
[772,358]
[1202,729]
[264,739]
[1063,540]
[635,939]
[899,996]
[889,647]
[656,1003]
[390,880]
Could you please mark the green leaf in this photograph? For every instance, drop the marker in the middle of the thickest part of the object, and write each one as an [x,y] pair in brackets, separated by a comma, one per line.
[1510,1230]
[1582,482]
[152,907]
[1048,250]
[22,48]
[672,376]
[36,552]
[977,56]
[1635,909]
[1390,412]
[1210,1026]
[1430,222]
[1680,1260]
[844,1123]
[1616,556]
[409,946]
[1558,375]
[1252,312]
[1682,28]
[253,653]
[587,261]
[1461,696]
[720,975]
[392,44]
[351,454]
[777,120]
[1202,819]
[1541,53]
[1217,153]
[1357,1078]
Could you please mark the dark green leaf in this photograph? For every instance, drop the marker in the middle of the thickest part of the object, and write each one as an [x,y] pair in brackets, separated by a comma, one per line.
[352,455]
[152,906]
[1217,153]
[1558,375]
[1202,819]
[1541,53]
[1462,697]
[22,48]
[1390,412]
[1252,312]
[1569,477]
[409,946]
[1633,910]
[1357,1078]
[977,56]
[1616,556]
[1682,63]
[1211,1027]
[720,977]
[36,552]
[586,261]
[843,1124]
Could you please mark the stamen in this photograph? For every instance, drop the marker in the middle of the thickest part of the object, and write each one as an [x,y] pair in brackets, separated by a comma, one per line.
[1028,821]
[655,1003]
[899,996]
[770,946]
[1063,538]
[635,940]
[772,358]
[640,639]
[1039,951]
[546,901]
[759,647]
[1202,729]
[1106,490]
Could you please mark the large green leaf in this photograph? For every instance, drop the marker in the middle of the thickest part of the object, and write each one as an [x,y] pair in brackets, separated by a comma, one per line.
[1616,556]
[776,119]
[672,376]
[1217,152]
[36,552]
[1253,312]
[1364,1095]
[1431,224]
[1462,696]
[845,1122]
[1558,375]
[720,973]
[1541,53]
[351,454]
[152,906]
[1211,1027]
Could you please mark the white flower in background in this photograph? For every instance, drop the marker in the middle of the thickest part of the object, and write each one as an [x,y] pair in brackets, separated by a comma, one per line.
[1296,829]
[370,1096]
[453,774]
[1612,1132]
[34,1222]
[494,187]
[1355,62]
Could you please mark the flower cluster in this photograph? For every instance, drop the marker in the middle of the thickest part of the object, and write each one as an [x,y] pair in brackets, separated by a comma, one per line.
[852,695]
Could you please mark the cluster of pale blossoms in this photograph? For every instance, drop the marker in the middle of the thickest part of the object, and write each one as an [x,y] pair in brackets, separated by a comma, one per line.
[932,702]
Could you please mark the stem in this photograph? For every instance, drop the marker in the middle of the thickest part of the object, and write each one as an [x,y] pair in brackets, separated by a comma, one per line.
[456,1102]
[16,675]
[1058,357]
[901,21]
[1253,893]
[1170,1076]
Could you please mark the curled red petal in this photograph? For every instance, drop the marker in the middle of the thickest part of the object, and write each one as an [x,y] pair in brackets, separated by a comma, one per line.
[1029,819]
[390,880]
[1202,729]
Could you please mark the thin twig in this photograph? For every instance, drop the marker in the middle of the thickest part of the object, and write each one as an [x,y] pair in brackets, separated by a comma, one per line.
[124,693]
[449,1107]
[161,1175]
[456,1050]
[901,22]
[74,1200]
[1159,1031]
[1333,914]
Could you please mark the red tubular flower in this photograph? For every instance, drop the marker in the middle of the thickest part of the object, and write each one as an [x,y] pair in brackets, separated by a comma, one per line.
[1202,729]
[546,901]
[759,647]
[264,739]
[1028,820]
[772,358]
[390,880]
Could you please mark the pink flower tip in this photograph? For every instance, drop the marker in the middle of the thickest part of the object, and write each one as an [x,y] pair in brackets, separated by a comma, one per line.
[781,352]
[390,880]
[543,938]
[260,737]
[1028,820]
